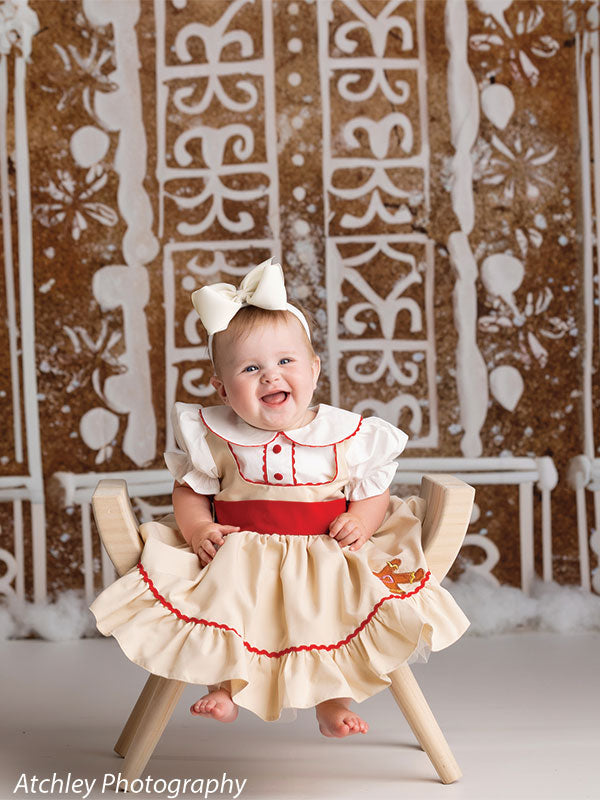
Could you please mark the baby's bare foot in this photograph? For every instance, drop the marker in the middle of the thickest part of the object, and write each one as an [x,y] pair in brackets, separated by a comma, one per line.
[217,704]
[336,719]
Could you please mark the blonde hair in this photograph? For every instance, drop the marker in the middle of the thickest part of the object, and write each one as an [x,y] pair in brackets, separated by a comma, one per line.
[249,317]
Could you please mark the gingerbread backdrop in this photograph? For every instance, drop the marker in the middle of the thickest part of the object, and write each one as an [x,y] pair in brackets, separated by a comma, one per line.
[428,174]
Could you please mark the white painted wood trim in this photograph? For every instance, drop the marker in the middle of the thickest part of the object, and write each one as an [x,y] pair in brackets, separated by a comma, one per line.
[526,536]
[584,558]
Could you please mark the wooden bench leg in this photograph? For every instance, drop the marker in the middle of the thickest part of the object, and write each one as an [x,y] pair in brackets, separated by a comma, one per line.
[158,711]
[413,705]
[131,726]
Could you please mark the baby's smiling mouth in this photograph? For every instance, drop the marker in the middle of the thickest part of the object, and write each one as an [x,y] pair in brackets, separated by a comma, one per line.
[275,398]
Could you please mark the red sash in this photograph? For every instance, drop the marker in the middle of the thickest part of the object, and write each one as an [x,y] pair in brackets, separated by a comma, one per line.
[278,516]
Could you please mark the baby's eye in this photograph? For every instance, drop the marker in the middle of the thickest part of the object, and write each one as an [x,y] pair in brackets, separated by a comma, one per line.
[285,360]
[251,368]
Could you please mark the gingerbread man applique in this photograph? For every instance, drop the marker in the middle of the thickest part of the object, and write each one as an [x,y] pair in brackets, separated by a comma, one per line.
[392,577]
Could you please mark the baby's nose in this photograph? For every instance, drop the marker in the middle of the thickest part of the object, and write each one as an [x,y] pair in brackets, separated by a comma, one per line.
[270,375]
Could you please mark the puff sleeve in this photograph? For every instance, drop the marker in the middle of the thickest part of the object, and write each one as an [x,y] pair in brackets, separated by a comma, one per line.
[371,458]
[193,463]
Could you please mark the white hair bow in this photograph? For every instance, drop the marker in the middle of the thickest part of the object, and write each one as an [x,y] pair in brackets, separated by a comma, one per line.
[218,304]
[263,286]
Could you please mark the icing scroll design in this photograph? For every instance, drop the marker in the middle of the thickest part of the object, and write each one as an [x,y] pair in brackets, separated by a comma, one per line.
[215,38]
[385,361]
[481,540]
[492,555]
[386,309]
[394,409]
[214,143]
[9,574]
[378,28]
[218,228]
[379,132]
[377,207]
[378,81]
[195,84]
[348,74]
[370,160]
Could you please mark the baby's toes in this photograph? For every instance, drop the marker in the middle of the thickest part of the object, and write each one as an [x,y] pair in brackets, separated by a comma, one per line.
[356,725]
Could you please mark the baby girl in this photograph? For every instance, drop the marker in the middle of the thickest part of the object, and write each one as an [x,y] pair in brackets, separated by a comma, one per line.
[303,584]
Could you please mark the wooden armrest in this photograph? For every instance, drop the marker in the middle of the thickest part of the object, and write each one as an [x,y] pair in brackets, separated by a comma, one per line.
[117,525]
[449,506]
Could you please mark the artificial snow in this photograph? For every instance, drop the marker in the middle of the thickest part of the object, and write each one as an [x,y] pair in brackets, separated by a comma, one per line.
[8,627]
[68,617]
[491,608]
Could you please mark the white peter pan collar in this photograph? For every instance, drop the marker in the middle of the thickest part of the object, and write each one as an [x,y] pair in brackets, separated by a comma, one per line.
[330,426]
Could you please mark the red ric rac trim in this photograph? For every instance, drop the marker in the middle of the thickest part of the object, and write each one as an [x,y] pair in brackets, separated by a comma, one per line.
[301,444]
[266,477]
[276,653]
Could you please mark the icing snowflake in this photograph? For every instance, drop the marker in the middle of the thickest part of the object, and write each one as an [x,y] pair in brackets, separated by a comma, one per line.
[72,201]
[522,40]
[515,167]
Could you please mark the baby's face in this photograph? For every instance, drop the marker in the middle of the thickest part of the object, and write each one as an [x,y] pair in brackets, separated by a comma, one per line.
[268,377]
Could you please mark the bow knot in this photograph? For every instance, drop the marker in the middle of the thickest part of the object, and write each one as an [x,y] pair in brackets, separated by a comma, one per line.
[218,304]
[242,296]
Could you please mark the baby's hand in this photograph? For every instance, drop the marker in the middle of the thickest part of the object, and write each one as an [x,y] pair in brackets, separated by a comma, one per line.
[207,538]
[348,530]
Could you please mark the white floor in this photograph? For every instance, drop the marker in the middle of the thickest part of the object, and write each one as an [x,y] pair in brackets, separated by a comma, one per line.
[521,713]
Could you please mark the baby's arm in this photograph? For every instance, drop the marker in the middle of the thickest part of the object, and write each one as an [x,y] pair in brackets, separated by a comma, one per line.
[360,521]
[194,518]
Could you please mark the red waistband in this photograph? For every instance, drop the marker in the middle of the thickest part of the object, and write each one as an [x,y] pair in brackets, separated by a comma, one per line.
[278,516]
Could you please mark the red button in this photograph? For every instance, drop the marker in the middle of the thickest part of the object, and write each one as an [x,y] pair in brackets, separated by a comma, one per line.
[277,448]
[278,476]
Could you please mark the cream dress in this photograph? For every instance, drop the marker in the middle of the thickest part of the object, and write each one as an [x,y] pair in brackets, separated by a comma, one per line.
[283,616]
